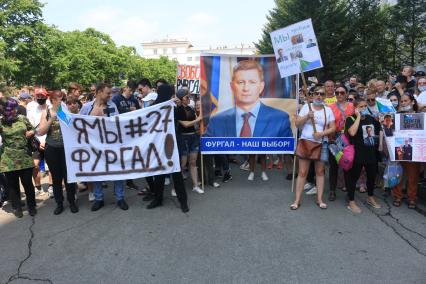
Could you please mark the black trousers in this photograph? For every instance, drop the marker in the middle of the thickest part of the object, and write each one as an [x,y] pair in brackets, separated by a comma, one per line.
[178,184]
[352,176]
[209,175]
[55,159]
[333,171]
[26,176]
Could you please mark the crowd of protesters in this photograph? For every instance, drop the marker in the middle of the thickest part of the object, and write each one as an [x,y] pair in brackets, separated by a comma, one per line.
[32,143]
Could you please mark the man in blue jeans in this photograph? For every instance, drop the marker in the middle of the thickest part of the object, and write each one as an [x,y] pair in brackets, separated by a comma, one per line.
[102,106]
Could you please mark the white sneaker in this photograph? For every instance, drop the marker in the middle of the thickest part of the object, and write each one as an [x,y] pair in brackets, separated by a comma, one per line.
[174,192]
[216,185]
[91,197]
[312,191]
[308,186]
[251,176]
[245,166]
[197,189]
[50,192]
[167,181]
[264,176]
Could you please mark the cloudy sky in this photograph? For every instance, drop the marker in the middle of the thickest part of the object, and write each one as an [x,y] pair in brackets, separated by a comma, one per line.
[130,22]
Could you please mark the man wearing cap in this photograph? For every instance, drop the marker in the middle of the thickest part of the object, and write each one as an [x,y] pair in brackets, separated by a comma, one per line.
[34,114]
[126,102]
[24,99]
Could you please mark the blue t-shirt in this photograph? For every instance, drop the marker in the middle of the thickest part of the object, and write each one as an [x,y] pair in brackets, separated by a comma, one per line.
[123,104]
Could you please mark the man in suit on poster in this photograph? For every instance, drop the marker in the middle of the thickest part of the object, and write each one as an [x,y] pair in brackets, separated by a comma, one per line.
[250,117]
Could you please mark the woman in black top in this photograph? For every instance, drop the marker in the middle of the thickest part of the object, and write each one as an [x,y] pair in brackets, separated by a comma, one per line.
[366,135]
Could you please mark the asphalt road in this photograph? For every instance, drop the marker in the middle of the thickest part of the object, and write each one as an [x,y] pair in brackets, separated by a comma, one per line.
[243,232]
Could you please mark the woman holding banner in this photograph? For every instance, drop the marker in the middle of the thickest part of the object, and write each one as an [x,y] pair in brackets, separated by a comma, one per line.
[411,169]
[317,122]
[55,154]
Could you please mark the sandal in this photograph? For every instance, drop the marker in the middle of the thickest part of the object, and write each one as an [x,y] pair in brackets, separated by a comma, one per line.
[322,205]
[397,202]
[412,205]
[294,206]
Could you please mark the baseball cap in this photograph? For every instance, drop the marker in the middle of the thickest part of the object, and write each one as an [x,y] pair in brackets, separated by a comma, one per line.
[116,90]
[181,93]
[24,96]
[420,73]
[40,91]
[150,97]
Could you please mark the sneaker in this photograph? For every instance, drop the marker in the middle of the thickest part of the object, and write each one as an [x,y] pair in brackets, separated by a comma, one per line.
[174,192]
[264,176]
[197,189]
[251,176]
[98,204]
[91,197]
[245,166]
[59,209]
[167,181]
[50,192]
[73,207]
[308,186]
[312,191]
[131,185]
[18,213]
[227,177]
[216,184]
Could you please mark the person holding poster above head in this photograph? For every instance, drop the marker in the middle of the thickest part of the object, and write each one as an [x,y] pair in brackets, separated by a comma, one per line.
[102,106]
[411,169]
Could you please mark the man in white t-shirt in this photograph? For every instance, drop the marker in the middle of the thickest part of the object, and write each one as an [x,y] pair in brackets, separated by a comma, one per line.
[421,98]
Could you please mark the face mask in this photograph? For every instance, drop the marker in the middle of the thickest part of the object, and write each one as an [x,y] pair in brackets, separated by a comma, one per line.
[41,101]
[364,112]
[317,103]
[422,88]
[393,82]
[395,104]
[406,108]
[136,94]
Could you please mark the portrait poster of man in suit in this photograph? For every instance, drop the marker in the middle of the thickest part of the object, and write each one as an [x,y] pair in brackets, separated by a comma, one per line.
[260,103]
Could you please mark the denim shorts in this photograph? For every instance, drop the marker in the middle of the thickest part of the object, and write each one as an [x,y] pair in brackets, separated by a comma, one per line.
[190,143]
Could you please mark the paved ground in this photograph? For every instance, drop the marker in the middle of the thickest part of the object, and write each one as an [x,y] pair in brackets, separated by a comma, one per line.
[241,233]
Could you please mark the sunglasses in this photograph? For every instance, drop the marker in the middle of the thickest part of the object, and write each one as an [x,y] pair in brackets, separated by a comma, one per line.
[319,93]
[342,93]
[350,99]
[371,100]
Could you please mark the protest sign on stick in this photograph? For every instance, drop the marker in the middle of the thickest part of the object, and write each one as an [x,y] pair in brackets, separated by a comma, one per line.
[296,48]
[127,146]
[188,75]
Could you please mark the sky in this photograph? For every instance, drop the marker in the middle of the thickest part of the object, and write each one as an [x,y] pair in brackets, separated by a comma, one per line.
[129,22]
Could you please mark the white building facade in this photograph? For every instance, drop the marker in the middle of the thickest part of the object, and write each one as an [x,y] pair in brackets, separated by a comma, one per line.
[184,52]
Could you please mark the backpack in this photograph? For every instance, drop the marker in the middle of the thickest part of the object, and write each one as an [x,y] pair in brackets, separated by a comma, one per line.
[343,151]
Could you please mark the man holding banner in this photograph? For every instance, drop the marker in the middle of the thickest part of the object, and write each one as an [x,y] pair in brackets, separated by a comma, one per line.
[101,106]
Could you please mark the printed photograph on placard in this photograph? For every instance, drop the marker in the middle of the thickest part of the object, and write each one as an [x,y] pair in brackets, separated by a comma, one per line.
[403,149]
[388,124]
[412,121]
[368,135]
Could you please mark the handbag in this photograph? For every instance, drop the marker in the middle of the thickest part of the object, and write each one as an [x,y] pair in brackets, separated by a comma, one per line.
[33,144]
[310,150]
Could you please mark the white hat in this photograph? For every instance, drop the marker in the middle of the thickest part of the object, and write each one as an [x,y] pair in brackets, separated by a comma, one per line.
[150,97]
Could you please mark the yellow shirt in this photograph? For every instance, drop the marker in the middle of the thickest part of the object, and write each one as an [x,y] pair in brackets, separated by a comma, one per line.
[330,101]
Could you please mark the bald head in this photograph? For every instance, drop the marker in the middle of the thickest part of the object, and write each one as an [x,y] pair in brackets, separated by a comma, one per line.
[380,86]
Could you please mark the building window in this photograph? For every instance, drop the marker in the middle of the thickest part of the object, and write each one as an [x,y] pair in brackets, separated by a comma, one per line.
[189,59]
[197,58]
[155,51]
[174,50]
